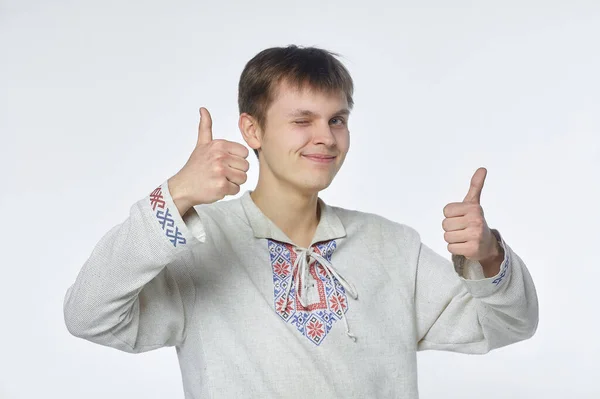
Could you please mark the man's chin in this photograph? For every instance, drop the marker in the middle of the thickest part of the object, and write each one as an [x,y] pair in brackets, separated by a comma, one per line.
[314,187]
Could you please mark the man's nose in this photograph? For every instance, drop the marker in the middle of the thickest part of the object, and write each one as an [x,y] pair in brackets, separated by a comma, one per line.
[323,135]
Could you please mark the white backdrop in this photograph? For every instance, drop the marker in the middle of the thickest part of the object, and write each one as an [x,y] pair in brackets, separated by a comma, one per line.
[99,104]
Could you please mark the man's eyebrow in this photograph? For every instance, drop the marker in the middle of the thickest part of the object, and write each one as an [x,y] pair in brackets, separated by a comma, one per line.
[343,111]
[306,112]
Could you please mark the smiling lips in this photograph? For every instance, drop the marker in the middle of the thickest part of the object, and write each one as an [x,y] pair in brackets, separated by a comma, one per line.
[321,158]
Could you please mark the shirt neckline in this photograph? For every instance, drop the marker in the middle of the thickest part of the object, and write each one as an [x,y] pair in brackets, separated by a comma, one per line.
[330,226]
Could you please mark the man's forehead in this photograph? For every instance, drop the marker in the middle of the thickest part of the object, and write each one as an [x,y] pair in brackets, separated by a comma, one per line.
[301,101]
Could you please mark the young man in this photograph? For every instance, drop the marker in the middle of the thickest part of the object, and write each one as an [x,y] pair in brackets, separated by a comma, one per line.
[278,295]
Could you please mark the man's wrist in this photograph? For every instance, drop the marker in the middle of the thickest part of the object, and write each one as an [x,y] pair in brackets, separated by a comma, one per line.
[491,265]
[177,194]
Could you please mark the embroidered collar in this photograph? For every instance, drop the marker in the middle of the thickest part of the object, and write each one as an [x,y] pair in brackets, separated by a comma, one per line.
[330,228]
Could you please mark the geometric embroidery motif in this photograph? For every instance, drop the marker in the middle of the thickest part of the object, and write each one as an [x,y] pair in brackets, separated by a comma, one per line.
[316,319]
[165,218]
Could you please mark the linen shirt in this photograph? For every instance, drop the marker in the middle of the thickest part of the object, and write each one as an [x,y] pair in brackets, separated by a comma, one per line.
[252,315]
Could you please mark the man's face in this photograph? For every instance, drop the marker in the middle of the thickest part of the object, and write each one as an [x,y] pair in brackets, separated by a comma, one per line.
[306,138]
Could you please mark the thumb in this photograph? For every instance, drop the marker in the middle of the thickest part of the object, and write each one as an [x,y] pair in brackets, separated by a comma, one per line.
[474,194]
[204,127]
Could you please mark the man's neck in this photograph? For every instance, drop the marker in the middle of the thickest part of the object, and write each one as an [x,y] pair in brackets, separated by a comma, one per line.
[295,213]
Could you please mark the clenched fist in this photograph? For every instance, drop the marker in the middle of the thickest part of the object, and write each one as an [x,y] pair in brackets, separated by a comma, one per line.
[215,169]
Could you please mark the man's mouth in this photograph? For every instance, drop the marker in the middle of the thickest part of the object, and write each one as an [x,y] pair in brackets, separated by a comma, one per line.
[322,158]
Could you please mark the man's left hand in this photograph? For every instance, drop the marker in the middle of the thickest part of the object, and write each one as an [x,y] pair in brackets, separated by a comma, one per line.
[467,232]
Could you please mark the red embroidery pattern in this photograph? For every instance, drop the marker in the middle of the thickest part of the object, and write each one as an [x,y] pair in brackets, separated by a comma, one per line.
[315,329]
[316,319]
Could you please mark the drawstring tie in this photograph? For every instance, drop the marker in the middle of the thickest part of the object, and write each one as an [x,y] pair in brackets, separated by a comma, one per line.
[301,267]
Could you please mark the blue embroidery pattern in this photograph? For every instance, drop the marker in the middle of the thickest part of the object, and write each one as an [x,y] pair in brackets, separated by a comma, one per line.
[165,218]
[316,319]
[504,270]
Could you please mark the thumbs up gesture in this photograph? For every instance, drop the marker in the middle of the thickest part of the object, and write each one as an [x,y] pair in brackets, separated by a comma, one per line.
[216,168]
[466,230]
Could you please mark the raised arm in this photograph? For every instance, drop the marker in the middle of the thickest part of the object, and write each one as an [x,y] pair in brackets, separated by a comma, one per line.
[487,299]
[135,292]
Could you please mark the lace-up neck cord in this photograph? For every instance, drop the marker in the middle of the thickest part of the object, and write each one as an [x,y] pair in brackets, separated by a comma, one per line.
[300,272]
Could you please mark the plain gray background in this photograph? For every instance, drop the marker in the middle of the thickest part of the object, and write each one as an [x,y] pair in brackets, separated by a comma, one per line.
[99,104]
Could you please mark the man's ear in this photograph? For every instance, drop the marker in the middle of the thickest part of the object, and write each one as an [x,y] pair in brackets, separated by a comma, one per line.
[250,130]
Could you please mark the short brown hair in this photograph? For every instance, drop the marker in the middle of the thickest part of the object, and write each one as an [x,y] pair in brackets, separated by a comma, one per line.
[298,66]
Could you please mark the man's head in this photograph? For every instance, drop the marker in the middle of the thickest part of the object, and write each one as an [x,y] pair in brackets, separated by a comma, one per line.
[294,106]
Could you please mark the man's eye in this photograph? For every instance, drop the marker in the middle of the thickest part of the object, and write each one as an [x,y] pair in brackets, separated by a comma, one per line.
[300,122]
[338,121]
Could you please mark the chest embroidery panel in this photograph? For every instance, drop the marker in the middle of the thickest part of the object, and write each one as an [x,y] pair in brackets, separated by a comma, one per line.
[326,304]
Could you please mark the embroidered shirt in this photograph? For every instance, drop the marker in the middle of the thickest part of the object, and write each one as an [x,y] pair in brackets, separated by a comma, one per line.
[254,316]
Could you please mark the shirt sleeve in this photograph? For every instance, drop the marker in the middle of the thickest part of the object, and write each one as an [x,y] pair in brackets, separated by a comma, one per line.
[135,291]
[459,310]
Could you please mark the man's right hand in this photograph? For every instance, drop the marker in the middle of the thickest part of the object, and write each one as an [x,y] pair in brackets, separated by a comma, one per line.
[215,169]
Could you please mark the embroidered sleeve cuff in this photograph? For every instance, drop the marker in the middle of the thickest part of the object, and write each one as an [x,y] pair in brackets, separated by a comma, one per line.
[471,272]
[177,230]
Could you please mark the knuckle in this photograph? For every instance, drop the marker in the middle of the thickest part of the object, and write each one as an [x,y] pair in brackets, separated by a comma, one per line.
[222,184]
[219,155]
[218,150]
[218,168]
